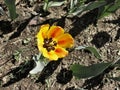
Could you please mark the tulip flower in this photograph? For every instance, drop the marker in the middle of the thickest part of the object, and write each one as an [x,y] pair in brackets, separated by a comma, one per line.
[52,42]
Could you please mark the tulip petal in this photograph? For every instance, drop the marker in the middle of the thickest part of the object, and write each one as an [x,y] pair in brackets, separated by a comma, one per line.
[55,31]
[65,40]
[40,45]
[61,52]
[42,33]
[51,55]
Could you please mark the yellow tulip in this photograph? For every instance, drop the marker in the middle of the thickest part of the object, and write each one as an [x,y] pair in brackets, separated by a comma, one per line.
[52,42]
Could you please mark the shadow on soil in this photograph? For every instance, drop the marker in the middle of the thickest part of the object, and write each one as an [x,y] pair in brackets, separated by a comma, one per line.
[23,70]
[116,22]
[48,71]
[59,22]
[5,27]
[21,27]
[100,39]
[81,23]
[64,76]
[20,72]
[118,35]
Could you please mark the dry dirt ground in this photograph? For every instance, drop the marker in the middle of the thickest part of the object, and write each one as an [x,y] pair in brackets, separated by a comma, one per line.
[18,45]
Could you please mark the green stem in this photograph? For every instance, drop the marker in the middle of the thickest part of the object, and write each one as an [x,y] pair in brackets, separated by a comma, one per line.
[45,7]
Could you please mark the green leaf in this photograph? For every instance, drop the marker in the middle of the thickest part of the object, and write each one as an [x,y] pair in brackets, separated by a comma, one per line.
[71,4]
[17,55]
[80,47]
[38,68]
[108,9]
[91,49]
[115,78]
[55,4]
[40,64]
[2,12]
[114,6]
[81,71]
[45,7]
[95,4]
[85,7]
[94,51]
[26,41]
[48,4]
[12,8]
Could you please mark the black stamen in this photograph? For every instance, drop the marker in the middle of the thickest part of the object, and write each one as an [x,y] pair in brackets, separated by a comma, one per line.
[54,43]
[49,44]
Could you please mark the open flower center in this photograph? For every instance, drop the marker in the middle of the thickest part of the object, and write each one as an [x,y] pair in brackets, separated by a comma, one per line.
[49,44]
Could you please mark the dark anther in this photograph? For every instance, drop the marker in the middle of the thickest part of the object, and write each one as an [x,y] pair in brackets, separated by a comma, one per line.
[53,48]
[46,41]
[54,43]
[49,44]
[50,40]
[48,49]
[44,46]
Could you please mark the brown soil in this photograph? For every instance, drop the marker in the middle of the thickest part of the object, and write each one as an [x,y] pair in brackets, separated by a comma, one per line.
[103,34]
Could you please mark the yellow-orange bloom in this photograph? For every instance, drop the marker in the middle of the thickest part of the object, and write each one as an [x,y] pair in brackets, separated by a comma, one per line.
[52,42]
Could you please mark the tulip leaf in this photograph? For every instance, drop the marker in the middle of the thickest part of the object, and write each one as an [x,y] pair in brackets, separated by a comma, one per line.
[48,4]
[17,55]
[38,68]
[2,12]
[40,64]
[55,4]
[108,9]
[94,51]
[12,8]
[80,47]
[85,7]
[95,4]
[81,71]
[91,49]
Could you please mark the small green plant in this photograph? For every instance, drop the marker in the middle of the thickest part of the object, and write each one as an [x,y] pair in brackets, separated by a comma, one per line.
[108,8]
[75,7]
[17,55]
[105,7]
[91,49]
[78,6]
[53,3]
[26,41]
